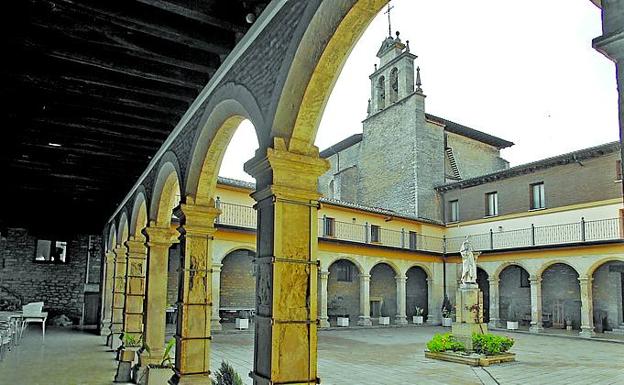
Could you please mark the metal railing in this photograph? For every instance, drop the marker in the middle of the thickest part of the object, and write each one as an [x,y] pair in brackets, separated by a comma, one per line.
[534,236]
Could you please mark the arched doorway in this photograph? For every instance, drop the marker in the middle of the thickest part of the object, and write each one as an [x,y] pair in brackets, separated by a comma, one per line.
[514,295]
[416,291]
[383,293]
[561,297]
[484,286]
[343,291]
[608,296]
[238,286]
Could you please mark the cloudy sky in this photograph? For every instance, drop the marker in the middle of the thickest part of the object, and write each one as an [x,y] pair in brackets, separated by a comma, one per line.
[521,70]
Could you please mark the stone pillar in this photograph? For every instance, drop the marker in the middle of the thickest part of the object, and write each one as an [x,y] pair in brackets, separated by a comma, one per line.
[135,287]
[587,307]
[215,322]
[324,319]
[365,300]
[494,301]
[159,240]
[107,293]
[536,305]
[287,265]
[192,362]
[401,317]
[435,294]
[119,296]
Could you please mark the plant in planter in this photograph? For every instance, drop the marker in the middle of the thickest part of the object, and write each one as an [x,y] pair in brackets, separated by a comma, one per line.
[491,344]
[130,344]
[447,311]
[418,318]
[226,375]
[444,342]
[159,374]
[512,322]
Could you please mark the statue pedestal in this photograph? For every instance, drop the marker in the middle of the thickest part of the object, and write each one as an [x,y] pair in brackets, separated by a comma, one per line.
[469,314]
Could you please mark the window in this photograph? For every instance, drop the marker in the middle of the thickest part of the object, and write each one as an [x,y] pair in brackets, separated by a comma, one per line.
[375,233]
[413,240]
[344,271]
[381,93]
[51,251]
[394,85]
[491,204]
[453,211]
[524,278]
[538,200]
[618,170]
[329,227]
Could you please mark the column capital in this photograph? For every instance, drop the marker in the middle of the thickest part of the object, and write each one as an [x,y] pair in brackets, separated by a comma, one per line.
[160,236]
[136,247]
[197,219]
[584,279]
[324,274]
[120,250]
[365,277]
[110,256]
[216,267]
[534,280]
[400,278]
[493,281]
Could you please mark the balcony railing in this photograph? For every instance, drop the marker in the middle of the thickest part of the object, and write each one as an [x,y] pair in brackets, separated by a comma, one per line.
[534,236]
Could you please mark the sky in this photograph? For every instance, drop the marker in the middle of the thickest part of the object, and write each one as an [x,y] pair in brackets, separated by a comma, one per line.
[521,70]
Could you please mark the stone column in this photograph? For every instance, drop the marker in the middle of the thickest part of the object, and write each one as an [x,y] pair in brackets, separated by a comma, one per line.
[287,265]
[107,293]
[536,305]
[365,300]
[494,300]
[119,296]
[587,307]
[159,240]
[433,303]
[192,362]
[215,323]
[135,287]
[401,317]
[324,319]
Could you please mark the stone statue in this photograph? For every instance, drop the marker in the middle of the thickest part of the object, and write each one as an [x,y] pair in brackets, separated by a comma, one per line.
[469,262]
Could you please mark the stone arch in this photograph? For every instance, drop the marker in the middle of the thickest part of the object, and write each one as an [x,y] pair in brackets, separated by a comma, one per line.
[337,257]
[561,295]
[392,264]
[238,282]
[484,286]
[549,263]
[139,219]
[503,266]
[607,293]
[343,289]
[383,289]
[381,93]
[234,248]
[111,240]
[394,85]
[123,231]
[416,289]
[230,105]
[514,292]
[423,266]
[597,264]
[166,188]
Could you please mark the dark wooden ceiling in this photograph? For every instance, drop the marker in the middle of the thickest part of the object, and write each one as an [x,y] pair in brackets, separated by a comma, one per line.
[107,81]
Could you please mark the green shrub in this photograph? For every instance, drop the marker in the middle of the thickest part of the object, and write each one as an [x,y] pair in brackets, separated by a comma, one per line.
[490,344]
[226,375]
[444,342]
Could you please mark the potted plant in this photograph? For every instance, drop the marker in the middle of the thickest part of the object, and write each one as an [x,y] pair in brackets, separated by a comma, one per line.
[242,323]
[512,323]
[226,375]
[418,318]
[342,321]
[447,320]
[131,344]
[384,320]
[161,373]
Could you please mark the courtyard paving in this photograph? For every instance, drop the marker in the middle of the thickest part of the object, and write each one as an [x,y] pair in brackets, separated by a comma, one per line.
[382,356]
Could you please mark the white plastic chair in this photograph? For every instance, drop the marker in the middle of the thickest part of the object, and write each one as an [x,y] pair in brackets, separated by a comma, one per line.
[32,313]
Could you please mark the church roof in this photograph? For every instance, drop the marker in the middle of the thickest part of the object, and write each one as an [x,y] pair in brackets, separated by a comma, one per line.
[570,157]
[343,144]
[471,133]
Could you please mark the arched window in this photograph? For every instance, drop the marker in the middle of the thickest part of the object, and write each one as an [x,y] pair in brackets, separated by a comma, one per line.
[394,85]
[381,93]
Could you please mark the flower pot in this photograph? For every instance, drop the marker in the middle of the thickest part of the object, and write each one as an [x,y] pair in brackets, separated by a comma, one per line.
[418,320]
[343,322]
[447,322]
[512,325]
[242,323]
[384,320]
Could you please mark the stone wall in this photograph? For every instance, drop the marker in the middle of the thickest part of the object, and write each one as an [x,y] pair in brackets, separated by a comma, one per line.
[238,283]
[383,286]
[515,299]
[560,285]
[474,158]
[416,291]
[343,297]
[343,172]
[61,286]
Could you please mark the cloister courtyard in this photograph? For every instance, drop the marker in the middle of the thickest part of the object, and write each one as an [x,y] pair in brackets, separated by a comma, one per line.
[379,356]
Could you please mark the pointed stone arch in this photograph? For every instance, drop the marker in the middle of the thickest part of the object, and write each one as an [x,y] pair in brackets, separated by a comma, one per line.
[123,229]
[166,191]
[139,218]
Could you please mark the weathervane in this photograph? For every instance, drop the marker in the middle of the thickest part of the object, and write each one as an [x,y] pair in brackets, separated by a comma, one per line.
[390,8]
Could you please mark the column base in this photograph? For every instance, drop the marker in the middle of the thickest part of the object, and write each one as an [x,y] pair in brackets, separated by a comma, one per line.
[364,321]
[114,341]
[215,324]
[400,320]
[587,332]
[494,323]
[536,329]
[324,322]
[153,358]
[194,379]
[105,328]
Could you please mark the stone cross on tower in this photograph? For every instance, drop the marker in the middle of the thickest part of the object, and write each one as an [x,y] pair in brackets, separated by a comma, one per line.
[390,8]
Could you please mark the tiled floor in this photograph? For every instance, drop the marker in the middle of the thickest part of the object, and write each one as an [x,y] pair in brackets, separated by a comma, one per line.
[386,356]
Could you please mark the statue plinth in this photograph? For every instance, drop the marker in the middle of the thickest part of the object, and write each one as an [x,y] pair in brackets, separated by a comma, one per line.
[469,314]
